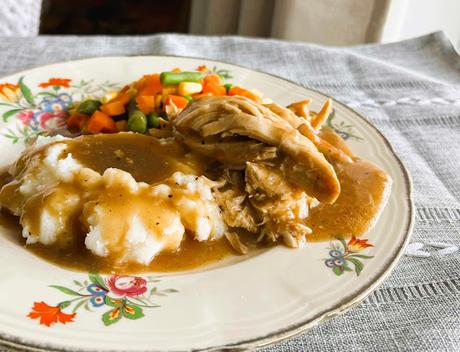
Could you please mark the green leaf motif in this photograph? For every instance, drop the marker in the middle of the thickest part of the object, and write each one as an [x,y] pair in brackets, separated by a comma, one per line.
[112,316]
[47,94]
[66,290]
[78,305]
[26,91]
[10,113]
[114,302]
[362,256]
[330,118]
[170,290]
[347,268]
[344,244]
[64,304]
[78,283]
[357,263]
[9,104]
[131,311]
[97,280]
[337,271]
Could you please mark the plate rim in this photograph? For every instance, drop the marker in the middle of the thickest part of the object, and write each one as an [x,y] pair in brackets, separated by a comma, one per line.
[290,331]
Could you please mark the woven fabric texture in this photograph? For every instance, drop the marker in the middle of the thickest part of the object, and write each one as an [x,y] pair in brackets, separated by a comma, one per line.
[411,92]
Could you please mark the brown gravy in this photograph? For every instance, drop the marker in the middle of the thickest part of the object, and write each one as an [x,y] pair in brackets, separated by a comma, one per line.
[363,186]
[145,158]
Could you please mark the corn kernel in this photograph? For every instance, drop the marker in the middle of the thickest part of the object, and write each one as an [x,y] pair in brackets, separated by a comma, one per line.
[189,88]
[108,97]
[158,99]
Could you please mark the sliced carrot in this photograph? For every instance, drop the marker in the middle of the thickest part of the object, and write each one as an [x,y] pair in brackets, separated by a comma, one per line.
[140,83]
[146,103]
[244,93]
[214,89]
[123,96]
[214,79]
[76,121]
[124,89]
[152,85]
[101,122]
[177,100]
[113,108]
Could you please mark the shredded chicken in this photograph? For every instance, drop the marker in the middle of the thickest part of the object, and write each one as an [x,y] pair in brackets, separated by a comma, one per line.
[276,166]
[300,108]
[212,116]
[281,205]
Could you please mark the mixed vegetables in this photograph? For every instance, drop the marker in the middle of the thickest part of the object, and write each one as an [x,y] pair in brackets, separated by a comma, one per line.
[148,103]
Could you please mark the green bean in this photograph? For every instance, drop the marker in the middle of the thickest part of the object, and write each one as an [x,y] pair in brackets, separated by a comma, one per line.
[153,120]
[137,122]
[188,97]
[88,107]
[173,78]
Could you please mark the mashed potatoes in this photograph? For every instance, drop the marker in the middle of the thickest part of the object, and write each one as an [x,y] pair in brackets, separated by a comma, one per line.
[60,201]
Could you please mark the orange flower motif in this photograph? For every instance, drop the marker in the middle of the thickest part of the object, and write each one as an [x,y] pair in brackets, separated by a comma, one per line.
[356,245]
[49,315]
[56,82]
[9,92]
[202,68]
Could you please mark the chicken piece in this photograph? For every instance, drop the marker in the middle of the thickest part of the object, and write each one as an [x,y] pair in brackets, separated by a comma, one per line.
[212,116]
[233,154]
[300,108]
[332,153]
[233,202]
[271,193]
[236,243]
[322,115]
[267,181]
[282,206]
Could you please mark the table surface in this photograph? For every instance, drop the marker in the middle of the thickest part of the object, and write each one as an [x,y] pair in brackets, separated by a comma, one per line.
[411,91]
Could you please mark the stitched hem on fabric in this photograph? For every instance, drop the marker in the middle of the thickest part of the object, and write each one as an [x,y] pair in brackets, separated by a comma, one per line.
[407,293]
[437,214]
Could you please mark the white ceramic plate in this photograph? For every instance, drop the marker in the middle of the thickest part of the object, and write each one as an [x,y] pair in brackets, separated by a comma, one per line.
[254,302]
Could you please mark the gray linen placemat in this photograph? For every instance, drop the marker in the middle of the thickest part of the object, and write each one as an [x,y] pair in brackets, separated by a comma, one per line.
[411,92]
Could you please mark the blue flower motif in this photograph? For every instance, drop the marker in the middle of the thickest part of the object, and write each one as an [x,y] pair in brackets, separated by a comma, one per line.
[96,291]
[97,301]
[335,253]
[61,102]
[343,134]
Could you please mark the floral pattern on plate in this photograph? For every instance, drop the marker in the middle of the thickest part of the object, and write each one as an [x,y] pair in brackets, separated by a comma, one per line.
[44,111]
[342,254]
[342,128]
[124,296]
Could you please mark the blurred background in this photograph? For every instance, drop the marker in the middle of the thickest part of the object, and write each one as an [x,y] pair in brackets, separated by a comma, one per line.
[333,22]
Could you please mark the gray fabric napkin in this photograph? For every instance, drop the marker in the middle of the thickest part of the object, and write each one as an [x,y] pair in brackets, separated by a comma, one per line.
[411,92]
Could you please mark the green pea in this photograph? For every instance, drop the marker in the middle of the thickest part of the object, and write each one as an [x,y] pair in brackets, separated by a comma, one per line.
[88,107]
[173,78]
[137,122]
[153,120]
